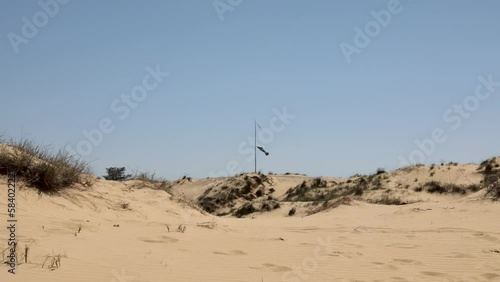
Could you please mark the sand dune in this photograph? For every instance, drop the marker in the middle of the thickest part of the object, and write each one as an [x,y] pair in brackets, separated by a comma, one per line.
[120,231]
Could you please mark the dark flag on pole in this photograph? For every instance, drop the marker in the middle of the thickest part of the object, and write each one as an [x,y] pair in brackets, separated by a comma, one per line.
[263,151]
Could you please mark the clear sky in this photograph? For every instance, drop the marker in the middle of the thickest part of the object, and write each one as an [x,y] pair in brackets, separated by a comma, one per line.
[65,66]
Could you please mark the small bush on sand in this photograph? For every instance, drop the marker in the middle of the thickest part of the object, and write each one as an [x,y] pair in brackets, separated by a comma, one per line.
[388,200]
[246,209]
[116,174]
[269,205]
[488,166]
[447,188]
[330,204]
[492,184]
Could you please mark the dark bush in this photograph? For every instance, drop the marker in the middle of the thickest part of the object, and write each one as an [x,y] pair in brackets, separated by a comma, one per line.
[492,184]
[116,174]
[435,187]
[387,200]
[358,191]
[246,209]
[208,205]
[259,193]
[447,188]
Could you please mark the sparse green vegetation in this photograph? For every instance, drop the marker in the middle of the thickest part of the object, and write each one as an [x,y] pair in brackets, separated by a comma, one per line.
[488,166]
[491,181]
[388,200]
[492,184]
[226,198]
[447,188]
[329,204]
[116,174]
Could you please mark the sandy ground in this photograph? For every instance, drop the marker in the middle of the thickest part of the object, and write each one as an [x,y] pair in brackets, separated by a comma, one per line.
[114,232]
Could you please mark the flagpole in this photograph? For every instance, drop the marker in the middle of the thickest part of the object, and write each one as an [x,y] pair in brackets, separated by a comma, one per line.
[255,144]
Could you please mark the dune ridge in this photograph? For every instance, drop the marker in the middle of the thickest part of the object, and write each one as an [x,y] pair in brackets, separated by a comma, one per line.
[136,231]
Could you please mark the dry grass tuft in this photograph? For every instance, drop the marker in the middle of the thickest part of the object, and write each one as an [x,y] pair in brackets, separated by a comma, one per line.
[181,228]
[184,201]
[20,254]
[150,180]
[388,200]
[39,167]
[330,204]
[52,262]
[447,188]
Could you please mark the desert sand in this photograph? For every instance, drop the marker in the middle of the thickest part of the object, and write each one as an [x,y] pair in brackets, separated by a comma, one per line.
[129,231]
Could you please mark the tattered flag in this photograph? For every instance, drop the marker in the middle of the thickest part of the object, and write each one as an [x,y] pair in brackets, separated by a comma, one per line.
[263,151]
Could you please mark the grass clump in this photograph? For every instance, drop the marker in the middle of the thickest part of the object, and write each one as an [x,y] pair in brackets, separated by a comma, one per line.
[245,209]
[41,168]
[492,184]
[329,204]
[488,166]
[150,180]
[388,200]
[447,188]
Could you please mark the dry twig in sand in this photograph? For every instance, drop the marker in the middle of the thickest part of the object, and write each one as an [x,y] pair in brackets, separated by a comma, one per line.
[53,262]
[181,228]
[209,224]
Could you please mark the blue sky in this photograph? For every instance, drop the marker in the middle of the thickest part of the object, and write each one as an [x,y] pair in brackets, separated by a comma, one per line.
[230,67]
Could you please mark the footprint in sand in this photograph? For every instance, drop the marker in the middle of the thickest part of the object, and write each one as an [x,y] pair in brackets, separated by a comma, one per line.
[460,255]
[433,274]
[272,267]
[403,246]
[385,266]
[486,237]
[408,261]
[347,255]
[397,278]
[158,240]
[231,253]
[490,276]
